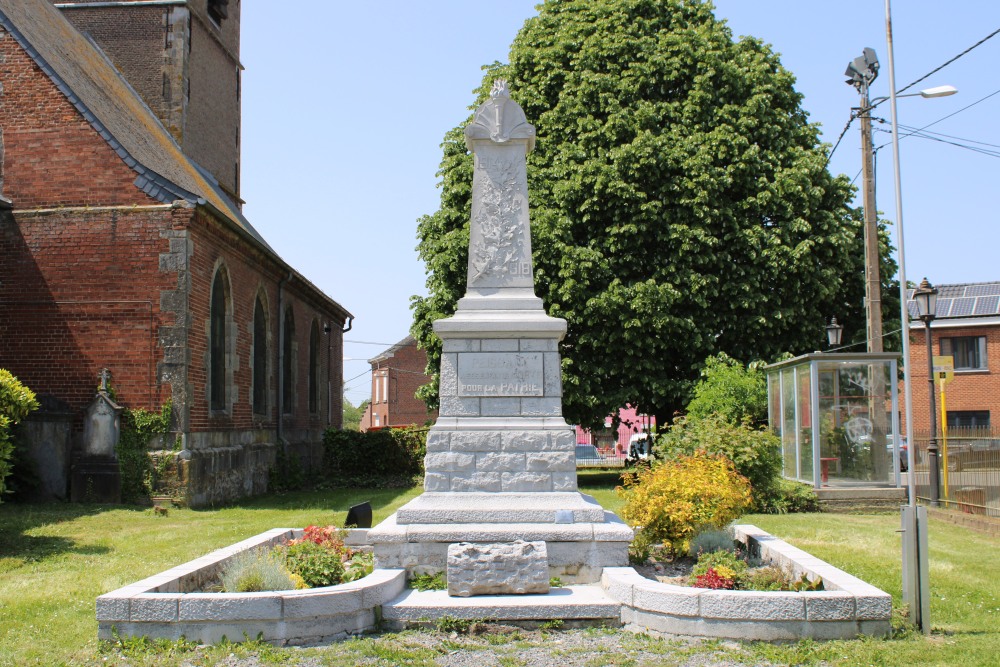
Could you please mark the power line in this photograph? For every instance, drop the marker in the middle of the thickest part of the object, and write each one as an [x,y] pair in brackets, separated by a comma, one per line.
[839,139]
[975,149]
[954,113]
[941,67]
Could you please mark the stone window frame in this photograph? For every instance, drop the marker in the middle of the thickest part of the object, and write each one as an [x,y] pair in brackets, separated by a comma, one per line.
[220,355]
[259,376]
[289,376]
[218,11]
[315,374]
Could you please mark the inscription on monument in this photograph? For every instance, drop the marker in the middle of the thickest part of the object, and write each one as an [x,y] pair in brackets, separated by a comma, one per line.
[500,374]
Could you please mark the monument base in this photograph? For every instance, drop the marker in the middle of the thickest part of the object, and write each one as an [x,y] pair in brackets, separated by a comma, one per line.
[581,537]
[96,480]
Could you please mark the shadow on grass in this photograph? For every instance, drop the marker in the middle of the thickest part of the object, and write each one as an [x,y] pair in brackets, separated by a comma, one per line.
[607,479]
[17,519]
[336,500]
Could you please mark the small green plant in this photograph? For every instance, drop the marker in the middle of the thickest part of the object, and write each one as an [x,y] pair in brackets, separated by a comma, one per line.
[726,564]
[255,570]
[429,582]
[709,540]
[555,582]
[317,564]
[358,566]
[552,624]
[803,583]
[449,623]
[769,578]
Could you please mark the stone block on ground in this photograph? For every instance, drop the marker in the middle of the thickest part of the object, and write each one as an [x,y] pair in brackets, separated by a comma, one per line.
[511,568]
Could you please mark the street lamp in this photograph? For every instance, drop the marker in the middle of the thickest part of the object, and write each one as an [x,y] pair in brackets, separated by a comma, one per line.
[834,332]
[926,297]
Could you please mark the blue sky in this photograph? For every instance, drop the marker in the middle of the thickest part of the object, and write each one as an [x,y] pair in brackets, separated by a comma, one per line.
[345,105]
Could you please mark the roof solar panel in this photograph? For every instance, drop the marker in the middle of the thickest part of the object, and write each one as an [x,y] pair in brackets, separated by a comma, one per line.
[943,307]
[911,307]
[962,307]
[986,305]
[986,289]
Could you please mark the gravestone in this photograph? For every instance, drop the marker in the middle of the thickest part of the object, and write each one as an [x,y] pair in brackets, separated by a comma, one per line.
[96,477]
[500,462]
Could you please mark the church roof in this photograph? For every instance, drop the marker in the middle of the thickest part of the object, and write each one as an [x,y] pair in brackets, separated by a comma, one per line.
[115,110]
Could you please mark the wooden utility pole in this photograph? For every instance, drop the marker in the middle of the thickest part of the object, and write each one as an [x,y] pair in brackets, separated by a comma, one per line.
[873,281]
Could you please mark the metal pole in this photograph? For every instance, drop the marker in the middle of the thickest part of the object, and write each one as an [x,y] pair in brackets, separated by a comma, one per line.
[904,313]
[916,589]
[932,448]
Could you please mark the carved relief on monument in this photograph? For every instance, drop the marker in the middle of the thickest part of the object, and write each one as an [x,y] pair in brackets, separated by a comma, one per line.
[496,250]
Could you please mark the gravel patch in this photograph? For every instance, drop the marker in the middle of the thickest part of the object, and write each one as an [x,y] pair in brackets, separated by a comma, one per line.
[488,645]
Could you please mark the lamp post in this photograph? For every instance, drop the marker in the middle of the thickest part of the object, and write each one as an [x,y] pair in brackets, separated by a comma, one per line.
[926,297]
[834,332]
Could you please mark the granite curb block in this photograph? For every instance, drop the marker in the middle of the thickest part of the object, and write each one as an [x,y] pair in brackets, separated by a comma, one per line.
[160,606]
[576,603]
[848,607]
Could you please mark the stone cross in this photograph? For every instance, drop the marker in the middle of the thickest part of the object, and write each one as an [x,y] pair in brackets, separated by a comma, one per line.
[104,377]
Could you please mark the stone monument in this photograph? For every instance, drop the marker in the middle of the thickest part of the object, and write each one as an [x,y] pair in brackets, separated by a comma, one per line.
[500,462]
[96,477]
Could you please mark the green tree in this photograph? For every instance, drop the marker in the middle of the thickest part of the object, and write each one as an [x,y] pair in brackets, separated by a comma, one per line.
[680,203]
[353,415]
[727,388]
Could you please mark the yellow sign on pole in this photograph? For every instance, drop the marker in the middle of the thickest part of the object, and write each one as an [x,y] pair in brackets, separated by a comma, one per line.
[944,372]
[944,368]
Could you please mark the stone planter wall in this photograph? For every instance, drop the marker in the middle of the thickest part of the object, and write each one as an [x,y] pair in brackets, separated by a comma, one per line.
[165,605]
[848,607]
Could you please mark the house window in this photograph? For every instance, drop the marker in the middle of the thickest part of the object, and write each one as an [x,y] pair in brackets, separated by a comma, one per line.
[287,387]
[968,419]
[314,368]
[217,342]
[259,358]
[969,352]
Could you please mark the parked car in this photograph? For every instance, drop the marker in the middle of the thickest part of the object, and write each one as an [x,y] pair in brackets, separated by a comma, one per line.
[587,456]
[903,453]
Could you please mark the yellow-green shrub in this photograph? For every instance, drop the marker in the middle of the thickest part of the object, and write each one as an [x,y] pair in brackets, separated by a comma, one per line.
[672,501]
[16,401]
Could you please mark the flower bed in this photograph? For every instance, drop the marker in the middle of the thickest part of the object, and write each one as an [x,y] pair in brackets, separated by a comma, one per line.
[170,604]
[848,607]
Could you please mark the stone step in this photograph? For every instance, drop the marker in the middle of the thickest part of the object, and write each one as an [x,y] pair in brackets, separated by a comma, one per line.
[492,508]
[568,603]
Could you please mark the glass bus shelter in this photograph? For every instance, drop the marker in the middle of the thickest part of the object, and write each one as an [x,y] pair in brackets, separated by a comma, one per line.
[837,415]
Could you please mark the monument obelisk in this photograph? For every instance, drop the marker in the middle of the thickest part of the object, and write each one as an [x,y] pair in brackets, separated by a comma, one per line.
[500,461]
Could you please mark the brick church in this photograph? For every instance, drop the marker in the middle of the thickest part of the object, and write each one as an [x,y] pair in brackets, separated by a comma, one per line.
[123,245]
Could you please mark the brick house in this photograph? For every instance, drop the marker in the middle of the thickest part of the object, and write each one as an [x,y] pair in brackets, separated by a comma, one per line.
[967,328]
[397,373]
[122,244]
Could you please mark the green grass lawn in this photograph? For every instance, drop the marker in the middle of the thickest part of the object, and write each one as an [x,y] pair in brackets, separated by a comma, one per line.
[55,559]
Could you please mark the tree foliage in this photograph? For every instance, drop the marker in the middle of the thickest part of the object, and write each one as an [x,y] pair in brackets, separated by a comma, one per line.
[680,203]
[727,388]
